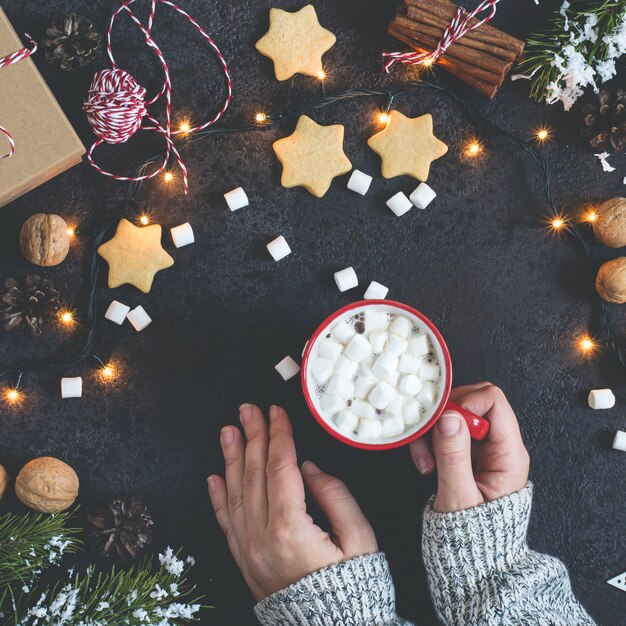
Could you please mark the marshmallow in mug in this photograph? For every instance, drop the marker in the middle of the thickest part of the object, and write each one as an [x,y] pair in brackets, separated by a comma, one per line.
[376,374]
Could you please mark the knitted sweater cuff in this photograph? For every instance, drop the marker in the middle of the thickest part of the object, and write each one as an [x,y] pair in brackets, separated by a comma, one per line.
[475,542]
[356,592]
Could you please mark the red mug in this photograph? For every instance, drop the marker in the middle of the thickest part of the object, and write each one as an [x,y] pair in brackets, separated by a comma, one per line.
[478,426]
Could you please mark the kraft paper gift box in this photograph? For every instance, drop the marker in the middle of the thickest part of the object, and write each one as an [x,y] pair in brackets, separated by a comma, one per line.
[45,142]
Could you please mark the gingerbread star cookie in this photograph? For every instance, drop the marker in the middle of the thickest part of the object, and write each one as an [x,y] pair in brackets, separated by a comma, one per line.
[135,255]
[295,42]
[407,146]
[312,156]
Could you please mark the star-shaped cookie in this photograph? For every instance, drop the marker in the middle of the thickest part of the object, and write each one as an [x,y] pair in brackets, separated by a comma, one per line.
[407,146]
[135,255]
[312,156]
[295,42]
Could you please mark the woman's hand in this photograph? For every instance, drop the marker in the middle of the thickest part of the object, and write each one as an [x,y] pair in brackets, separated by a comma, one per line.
[262,510]
[471,474]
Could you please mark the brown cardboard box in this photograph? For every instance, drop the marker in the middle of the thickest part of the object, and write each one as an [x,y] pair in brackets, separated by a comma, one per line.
[45,142]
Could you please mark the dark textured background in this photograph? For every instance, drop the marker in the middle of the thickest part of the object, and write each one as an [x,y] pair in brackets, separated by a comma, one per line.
[509,299]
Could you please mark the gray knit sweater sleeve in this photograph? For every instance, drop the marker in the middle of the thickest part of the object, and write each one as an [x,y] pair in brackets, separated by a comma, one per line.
[481,572]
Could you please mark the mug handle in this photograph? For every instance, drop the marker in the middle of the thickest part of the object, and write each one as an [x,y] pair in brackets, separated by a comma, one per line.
[478,426]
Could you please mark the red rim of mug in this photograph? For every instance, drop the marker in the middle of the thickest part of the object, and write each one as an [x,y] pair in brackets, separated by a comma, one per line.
[447,363]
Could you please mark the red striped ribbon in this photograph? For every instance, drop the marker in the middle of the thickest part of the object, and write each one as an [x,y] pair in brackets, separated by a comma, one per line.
[116,104]
[10,59]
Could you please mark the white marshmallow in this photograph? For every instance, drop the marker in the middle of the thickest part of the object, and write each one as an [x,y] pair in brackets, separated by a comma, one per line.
[182,235]
[278,248]
[422,196]
[346,368]
[362,387]
[386,366]
[338,386]
[332,404]
[401,326]
[322,370]
[376,291]
[363,409]
[381,395]
[370,429]
[395,406]
[358,349]
[329,349]
[359,182]
[287,368]
[346,422]
[393,426]
[236,199]
[601,399]
[139,318]
[619,441]
[419,346]
[346,279]
[429,371]
[412,413]
[427,395]
[72,387]
[378,340]
[396,345]
[375,320]
[409,364]
[399,204]
[365,368]
[117,312]
[343,332]
[410,385]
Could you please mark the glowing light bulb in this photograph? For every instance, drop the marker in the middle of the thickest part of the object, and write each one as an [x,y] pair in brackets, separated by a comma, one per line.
[66,317]
[473,149]
[427,62]
[12,396]
[168,177]
[383,118]
[542,134]
[557,223]
[71,232]
[321,75]
[591,216]
[185,127]
[586,344]
[107,372]
[144,220]
[260,117]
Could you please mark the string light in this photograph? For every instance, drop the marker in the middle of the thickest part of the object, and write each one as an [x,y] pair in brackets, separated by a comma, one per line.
[586,344]
[321,75]
[542,134]
[168,177]
[66,317]
[185,127]
[383,117]
[107,372]
[260,118]
[71,232]
[12,395]
[590,216]
[557,223]
[473,149]
[144,219]
[427,62]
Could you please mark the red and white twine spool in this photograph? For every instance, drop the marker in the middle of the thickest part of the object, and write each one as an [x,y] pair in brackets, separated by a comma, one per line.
[10,59]
[116,107]
[458,27]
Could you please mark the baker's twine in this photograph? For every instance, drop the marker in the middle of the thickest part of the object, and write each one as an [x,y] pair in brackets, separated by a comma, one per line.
[10,59]
[458,27]
[116,105]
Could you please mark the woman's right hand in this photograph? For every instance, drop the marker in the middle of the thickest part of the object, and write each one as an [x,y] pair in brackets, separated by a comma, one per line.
[472,473]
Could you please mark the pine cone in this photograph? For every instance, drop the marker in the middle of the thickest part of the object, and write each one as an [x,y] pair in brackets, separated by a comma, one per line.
[605,122]
[29,306]
[124,525]
[71,42]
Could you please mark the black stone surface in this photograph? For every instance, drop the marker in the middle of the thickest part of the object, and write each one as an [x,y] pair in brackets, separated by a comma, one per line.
[509,299]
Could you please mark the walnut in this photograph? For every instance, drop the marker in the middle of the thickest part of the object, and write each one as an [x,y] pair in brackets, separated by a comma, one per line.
[44,239]
[47,485]
[610,223]
[611,280]
[4,481]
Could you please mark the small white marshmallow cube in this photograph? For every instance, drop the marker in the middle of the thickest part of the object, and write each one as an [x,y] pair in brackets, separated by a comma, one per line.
[393,426]
[346,422]
[236,199]
[386,366]
[287,368]
[401,326]
[346,279]
[363,409]
[375,320]
[422,196]
[362,387]
[343,332]
[365,368]
[359,182]
[346,368]
[322,370]
[427,395]
[399,204]
[396,345]
[429,371]
[419,346]
[370,429]
[182,235]
[278,248]
[376,291]
[139,318]
[381,395]
[332,404]
[395,406]
[117,312]
[338,386]
[409,364]
[601,399]
[410,385]
[358,349]
[72,387]
[378,340]
[619,441]
[412,412]
[329,349]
